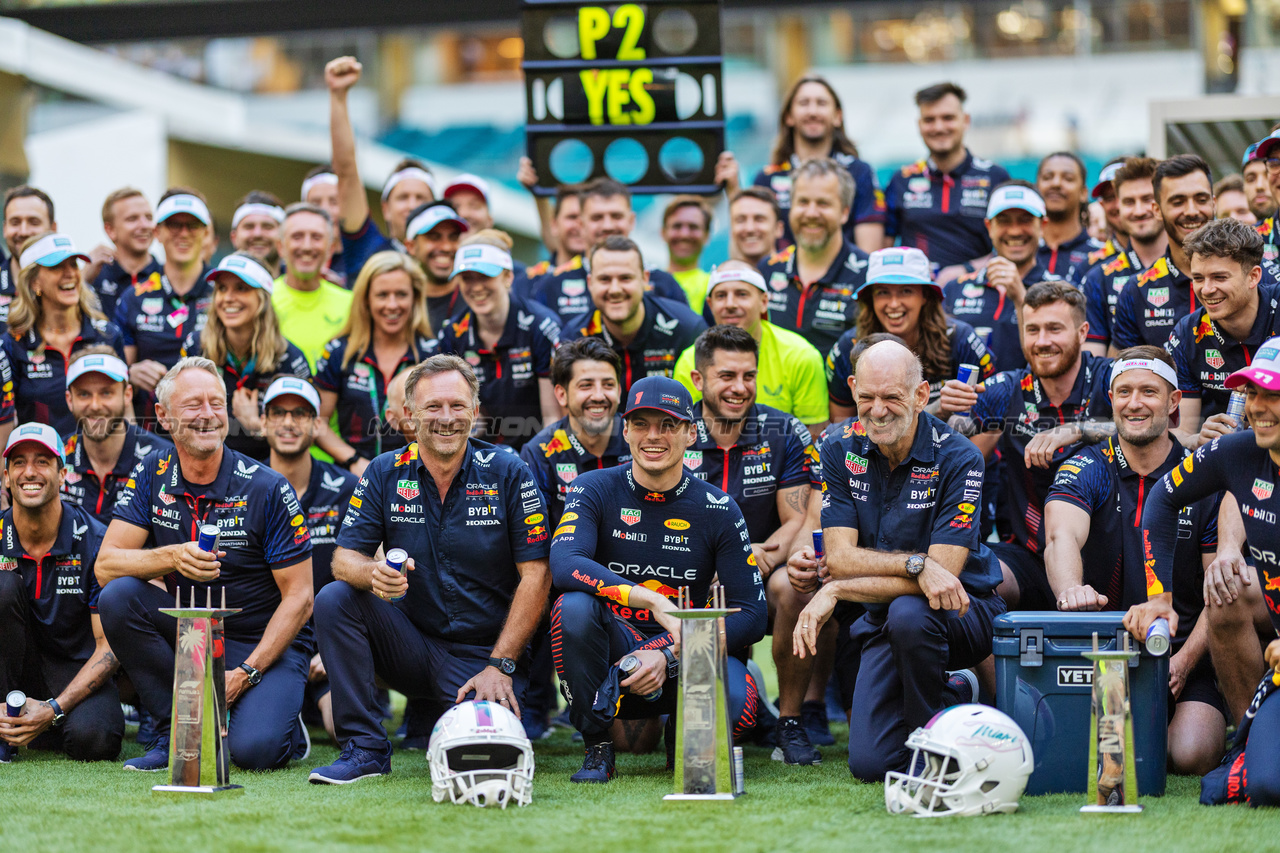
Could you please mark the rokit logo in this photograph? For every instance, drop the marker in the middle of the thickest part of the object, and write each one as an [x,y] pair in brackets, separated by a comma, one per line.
[1075,676]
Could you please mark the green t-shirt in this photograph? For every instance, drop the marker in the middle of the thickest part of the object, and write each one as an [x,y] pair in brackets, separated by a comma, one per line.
[694,283]
[311,318]
[791,375]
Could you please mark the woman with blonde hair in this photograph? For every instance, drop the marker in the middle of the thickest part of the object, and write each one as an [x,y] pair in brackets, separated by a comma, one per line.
[52,313]
[387,332]
[242,336]
[506,339]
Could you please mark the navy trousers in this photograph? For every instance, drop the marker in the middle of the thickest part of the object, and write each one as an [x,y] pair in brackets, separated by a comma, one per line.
[363,637]
[906,651]
[263,729]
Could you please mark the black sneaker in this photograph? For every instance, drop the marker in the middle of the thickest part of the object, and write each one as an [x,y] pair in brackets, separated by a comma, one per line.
[597,765]
[813,716]
[793,744]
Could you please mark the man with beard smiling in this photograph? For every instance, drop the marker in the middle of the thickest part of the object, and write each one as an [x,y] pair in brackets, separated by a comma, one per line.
[1257,187]
[51,639]
[432,234]
[586,375]
[901,538]
[255,228]
[105,446]
[311,309]
[456,619]
[1065,246]
[263,565]
[990,299]
[1152,303]
[639,533]
[1036,416]
[1146,243]
[1238,315]
[812,283]
[646,331]
[1094,557]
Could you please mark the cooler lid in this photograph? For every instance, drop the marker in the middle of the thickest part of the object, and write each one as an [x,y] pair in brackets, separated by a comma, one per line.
[1055,624]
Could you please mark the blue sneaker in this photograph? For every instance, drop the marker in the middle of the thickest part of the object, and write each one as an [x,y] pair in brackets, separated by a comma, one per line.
[355,763]
[146,726]
[156,759]
[598,765]
[962,687]
[8,752]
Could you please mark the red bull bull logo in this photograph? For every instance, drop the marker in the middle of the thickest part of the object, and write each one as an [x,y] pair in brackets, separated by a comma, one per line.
[618,593]
[1270,584]
[661,588]
[559,443]
[1159,269]
[1204,328]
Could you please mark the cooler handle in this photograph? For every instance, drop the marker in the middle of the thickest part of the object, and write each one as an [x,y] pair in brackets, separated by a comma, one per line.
[1031,646]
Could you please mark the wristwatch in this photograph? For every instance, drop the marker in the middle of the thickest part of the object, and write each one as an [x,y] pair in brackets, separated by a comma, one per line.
[506,666]
[351,460]
[58,716]
[915,565]
[254,675]
[673,665]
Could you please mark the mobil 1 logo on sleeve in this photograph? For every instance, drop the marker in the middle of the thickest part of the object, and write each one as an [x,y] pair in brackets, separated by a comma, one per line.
[1075,676]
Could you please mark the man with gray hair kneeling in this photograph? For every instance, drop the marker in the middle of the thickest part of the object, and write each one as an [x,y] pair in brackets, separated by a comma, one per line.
[458,621]
[262,562]
[900,518]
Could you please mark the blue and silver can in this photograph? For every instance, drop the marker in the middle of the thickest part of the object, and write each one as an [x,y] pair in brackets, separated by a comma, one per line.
[630,664]
[1158,637]
[819,546]
[15,702]
[396,558]
[208,540]
[1235,410]
[739,785]
[968,374]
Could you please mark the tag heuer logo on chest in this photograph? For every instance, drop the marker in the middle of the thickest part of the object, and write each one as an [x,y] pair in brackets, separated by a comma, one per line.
[1158,296]
[566,471]
[631,516]
[407,489]
[1262,489]
[693,459]
[1213,358]
[856,464]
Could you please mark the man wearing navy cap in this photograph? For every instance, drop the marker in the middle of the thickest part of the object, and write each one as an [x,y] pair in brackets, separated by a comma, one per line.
[1257,184]
[990,299]
[902,537]
[1268,152]
[1104,192]
[630,537]
[158,312]
[432,236]
[105,446]
[51,639]
[324,490]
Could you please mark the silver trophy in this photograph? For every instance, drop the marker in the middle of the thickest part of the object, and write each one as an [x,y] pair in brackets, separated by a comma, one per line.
[1113,775]
[198,760]
[704,763]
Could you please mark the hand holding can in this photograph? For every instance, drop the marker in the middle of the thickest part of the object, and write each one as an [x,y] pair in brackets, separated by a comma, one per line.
[396,560]
[968,374]
[1158,637]
[15,702]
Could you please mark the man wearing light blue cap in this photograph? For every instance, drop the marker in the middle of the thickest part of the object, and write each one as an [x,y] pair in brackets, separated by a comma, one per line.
[432,238]
[991,299]
[105,446]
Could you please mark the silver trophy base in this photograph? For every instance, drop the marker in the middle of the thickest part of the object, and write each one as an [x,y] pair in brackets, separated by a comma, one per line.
[184,791]
[1111,809]
[727,798]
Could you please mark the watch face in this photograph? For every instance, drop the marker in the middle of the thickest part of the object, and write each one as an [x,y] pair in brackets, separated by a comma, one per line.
[508,666]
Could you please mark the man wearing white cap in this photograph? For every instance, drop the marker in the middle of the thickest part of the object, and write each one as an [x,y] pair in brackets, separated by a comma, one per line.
[990,299]
[790,375]
[1065,246]
[1246,464]
[409,186]
[105,446]
[323,490]
[312,309]
[1104,193]
[1093,552]
[27,212]
[159,312]
[255,228]
[51,639]
[432,235]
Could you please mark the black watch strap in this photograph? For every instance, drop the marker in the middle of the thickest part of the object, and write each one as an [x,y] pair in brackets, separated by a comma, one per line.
[254,675]
[506,666]
[58,716]
[673,664]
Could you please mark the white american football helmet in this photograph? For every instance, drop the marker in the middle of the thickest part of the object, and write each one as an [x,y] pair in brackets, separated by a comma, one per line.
[479,754]
[967,760]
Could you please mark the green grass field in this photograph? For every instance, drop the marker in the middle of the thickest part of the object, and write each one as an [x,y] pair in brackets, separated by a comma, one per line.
[50,804]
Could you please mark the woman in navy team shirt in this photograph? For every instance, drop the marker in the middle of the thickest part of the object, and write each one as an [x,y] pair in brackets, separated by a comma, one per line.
[242,336]
[387,331]
[507,340]
[52,314]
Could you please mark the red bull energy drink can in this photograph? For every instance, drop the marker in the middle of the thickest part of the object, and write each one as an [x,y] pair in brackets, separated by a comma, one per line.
[208,539]
[396,559]
[15,702]
[1158,637]
[630,664]
[968,374]
[738,771]
[1235,410]
[819,546]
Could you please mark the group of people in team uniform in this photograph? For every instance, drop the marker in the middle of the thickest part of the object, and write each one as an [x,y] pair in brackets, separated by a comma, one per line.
[982,407]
